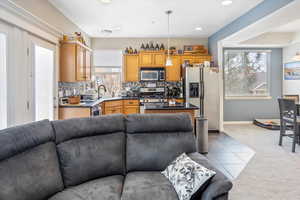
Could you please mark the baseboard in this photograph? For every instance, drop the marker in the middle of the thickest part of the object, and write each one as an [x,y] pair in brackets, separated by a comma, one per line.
[237,122]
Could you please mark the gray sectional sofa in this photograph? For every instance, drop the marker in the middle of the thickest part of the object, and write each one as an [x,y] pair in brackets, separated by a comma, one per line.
[103,158]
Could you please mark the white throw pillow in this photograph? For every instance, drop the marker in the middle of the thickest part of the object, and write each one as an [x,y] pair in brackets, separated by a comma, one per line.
[187,176]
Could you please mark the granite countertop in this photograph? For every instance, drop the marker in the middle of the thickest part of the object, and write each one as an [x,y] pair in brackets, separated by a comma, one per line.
[166,106]
[93,103]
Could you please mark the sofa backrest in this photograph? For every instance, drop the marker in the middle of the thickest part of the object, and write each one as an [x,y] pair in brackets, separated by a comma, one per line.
[29,167]
[153,141]
[90,148]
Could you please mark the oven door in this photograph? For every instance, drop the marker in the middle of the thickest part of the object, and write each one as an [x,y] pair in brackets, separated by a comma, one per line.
[149,75]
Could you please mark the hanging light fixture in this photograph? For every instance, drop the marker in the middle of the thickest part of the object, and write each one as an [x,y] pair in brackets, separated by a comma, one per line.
[169,60]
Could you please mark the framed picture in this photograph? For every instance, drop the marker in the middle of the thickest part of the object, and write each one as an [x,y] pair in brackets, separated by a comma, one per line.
[292,71]
[188,47]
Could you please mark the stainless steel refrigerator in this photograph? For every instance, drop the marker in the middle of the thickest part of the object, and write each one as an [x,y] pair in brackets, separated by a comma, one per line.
[202,89]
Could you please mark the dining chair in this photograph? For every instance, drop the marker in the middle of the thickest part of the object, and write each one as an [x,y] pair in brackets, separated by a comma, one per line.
[289,121]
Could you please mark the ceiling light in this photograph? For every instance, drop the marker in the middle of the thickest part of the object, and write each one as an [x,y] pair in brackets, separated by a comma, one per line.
[198,28]
[226,2]
[106,1]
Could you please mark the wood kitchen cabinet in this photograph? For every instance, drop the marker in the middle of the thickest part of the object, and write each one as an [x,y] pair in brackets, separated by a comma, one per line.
[130,68]
[75,62]
[131,106]
[152,59]
[195,59]
[73,112]
[120,107]
[173,73]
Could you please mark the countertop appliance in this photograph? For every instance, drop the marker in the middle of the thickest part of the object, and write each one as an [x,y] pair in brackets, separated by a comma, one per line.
[152,74]
[202,89]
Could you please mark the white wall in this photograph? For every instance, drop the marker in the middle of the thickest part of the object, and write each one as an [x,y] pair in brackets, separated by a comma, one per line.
[45,11]
[291,87]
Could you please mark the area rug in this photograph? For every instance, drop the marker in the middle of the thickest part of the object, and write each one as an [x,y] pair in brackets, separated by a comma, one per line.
[273,173]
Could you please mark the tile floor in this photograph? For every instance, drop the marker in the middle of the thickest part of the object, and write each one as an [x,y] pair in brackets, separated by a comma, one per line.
[228,155]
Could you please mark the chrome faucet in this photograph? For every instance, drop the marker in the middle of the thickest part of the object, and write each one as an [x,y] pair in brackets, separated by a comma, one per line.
[98,89]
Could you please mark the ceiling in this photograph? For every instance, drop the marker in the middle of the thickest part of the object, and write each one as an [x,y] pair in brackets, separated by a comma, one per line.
[293,26]
[147,18]
[279,29]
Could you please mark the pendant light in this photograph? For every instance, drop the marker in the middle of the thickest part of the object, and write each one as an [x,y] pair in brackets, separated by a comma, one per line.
[169,60]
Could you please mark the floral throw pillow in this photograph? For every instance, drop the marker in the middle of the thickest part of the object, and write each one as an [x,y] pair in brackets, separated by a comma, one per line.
[187,176]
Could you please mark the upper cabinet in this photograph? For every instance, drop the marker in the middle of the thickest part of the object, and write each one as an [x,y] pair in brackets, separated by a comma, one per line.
[195,59]
[130,68]
[75,62]
[174,72]
[152,59]
[133,62]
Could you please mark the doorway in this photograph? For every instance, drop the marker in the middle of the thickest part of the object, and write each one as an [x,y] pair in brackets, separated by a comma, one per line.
[43,79]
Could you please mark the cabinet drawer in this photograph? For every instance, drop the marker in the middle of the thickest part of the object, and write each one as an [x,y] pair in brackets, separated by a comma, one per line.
[113,110]
[131,103]
[131,110]
[113,103]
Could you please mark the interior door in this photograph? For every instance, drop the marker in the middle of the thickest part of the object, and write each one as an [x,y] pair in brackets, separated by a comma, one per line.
[43,79]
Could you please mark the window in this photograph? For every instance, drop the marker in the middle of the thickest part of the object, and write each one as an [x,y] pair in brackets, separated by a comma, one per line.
[3,82]
[108,70]
[246,73]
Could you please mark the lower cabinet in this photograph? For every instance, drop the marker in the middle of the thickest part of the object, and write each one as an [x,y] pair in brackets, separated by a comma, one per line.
[113,110]
[73,112]
[131,110]
[120,107]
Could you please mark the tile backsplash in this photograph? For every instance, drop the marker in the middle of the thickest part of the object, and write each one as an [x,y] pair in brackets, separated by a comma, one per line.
[72,89]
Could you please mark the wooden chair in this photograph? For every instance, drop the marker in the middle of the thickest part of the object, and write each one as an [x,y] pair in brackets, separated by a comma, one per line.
[289,120]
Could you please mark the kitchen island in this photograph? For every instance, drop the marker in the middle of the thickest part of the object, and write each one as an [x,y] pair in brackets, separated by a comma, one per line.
[169,108]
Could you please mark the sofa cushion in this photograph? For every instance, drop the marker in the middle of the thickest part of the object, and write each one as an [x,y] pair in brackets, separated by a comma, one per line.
[21,138]
[108,188]
[149,123]
[219,185]
[89,158]
[155,140]
[31,175]
[83,127]
[147,186]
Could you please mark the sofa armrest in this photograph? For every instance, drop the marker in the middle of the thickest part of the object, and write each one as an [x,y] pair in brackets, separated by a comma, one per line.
[220,185]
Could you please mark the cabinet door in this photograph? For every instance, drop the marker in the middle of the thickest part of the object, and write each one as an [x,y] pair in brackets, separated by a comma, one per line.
[68,62]
[87,65]
[131,68]
[174,71]
[113,110]
[190,59]
[146,59]
[131,110]
[80,64]
[159,59]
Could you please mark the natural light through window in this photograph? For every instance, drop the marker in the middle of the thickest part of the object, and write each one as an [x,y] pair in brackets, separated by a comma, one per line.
[3,81]
[246,73]
[44,66]
[108,70]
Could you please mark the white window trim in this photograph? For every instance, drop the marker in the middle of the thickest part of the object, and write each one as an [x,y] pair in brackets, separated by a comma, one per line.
[263,97]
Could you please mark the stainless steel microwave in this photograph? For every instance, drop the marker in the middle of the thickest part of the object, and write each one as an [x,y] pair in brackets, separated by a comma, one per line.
[152,74]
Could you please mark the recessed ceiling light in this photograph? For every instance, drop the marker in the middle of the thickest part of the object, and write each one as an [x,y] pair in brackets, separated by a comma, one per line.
[106,1]
[227,2]
[198,28]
